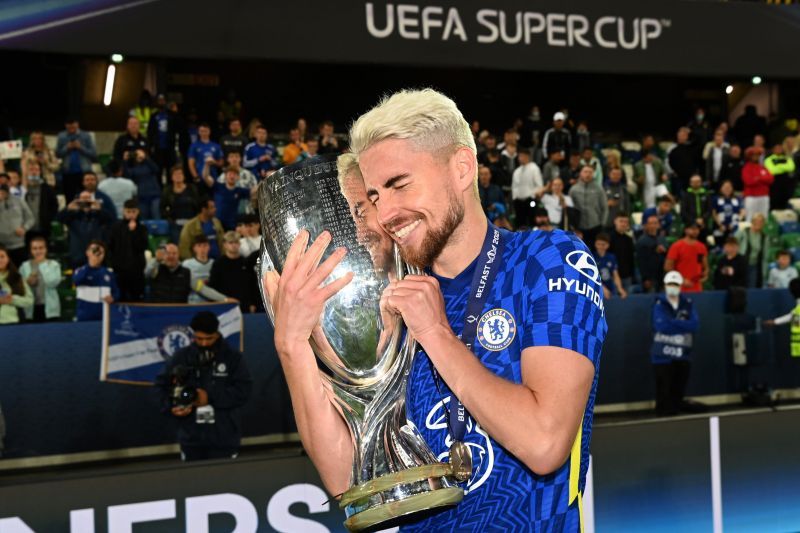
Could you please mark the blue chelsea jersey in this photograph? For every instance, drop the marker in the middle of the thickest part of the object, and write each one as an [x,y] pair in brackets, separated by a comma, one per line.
[547,292]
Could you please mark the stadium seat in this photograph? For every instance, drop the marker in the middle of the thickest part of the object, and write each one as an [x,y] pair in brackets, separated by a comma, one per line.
[790,240]
[782,216]
[795,203]
[790,227]
[156,227]
[154,241]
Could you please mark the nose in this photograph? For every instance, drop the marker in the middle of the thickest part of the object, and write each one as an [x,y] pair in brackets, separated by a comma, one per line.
[387,210]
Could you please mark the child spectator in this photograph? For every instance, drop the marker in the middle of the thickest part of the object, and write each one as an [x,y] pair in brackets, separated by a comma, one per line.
[728,210]
[780,276]
[95,284]
[14,291]
[731,269]
[607,265]
[199,267]
[43,276]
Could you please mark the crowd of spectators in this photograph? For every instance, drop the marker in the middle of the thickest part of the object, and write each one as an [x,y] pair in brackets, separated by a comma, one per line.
[172,217]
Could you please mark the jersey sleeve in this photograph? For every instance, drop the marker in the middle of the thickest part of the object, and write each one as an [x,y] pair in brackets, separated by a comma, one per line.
[564,296]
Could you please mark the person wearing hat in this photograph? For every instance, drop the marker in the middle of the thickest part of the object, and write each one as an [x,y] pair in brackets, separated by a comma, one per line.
[674,320]
[757,182]
[689,256]
[216,377]
[557,138]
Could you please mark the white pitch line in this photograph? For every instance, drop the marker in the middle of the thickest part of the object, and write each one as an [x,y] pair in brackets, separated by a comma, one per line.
[716,474]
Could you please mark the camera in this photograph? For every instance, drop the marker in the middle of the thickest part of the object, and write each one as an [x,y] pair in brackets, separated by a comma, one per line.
[184,391]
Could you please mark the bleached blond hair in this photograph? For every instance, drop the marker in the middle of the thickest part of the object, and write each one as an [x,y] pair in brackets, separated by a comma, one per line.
[427,118]
[346,164]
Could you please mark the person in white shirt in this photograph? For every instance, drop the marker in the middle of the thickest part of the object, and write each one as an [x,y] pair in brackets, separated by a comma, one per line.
[556,203]
[250,230]
[200,268]
[715,153]
[117,187]
[526,187]
[783,273]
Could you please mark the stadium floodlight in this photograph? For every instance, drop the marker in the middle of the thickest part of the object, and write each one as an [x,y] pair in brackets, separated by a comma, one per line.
[756,80]
[109,92]
[729,89]
[117,58]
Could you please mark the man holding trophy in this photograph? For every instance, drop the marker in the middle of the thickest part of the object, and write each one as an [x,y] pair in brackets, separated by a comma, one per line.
[459,376]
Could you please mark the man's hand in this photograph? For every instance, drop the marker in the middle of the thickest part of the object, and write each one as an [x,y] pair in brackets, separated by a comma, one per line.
[661,249]
[161,254]
[108,299]
[688,283]
[298,296]
[419,301]
[73,205]
[606,293]
[265,157]
[202,398]
[182,411]
[6,299]
[95,205]
[33,279]
[132,225]
[623,293]
[20,231]
[768,323]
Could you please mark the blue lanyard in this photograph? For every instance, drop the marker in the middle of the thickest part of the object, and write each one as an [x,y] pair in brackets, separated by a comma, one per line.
[482,280]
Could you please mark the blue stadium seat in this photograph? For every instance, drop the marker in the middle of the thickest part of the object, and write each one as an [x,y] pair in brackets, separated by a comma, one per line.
[790,227]
[157,227]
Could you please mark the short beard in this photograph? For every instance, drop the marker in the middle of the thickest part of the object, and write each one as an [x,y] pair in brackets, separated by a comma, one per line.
[437,238]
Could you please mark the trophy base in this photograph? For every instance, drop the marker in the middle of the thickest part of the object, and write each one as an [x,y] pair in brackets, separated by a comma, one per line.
[399,494]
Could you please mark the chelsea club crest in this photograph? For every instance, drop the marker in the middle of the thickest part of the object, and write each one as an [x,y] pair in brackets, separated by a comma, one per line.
[496,329]
[172,339]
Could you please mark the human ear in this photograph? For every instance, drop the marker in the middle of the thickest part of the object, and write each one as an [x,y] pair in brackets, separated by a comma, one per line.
[466,166]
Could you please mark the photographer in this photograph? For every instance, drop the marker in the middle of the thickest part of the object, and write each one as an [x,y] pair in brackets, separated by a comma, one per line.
[202,387]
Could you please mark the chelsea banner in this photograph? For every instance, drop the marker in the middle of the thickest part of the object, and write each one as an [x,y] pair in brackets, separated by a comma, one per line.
[139,338]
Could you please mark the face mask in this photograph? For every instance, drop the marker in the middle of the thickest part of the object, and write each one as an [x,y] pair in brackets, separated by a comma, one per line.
[34,180]
[672,291]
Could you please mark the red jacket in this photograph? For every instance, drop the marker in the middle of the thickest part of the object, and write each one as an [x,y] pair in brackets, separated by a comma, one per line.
[757,179]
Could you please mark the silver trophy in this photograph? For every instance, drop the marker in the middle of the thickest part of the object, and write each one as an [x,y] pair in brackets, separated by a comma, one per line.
[366,355]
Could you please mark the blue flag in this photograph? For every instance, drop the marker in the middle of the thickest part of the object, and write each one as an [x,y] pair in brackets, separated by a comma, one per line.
[139,338]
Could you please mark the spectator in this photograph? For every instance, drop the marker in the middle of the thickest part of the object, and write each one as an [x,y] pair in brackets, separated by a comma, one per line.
[754,245]
[117,187]
[696,205]
[622,247]
[489,143]
[205,223]
[250,230]
[204,152]
[500,177]
[86,222]
[557,138]
[294,148]
[651,178]
[230,275]
[16,188]
[509,156]
[583,139]
[731,270]
[560,208]
[689,256]
[90,183]
[328,143]
[607,265]
[532,128]
[727,210]
[227,197]
[792,317]
[169,281]
[208,427]
[699,131]
[612,161]
[781,166]
[302,128]
[76,150]
[757,182]
[235,140]
[541,220]
[246,181]
[573,169]
[128,143]
[783,273]
[43,276]
[259,156]
[663,211]
[95,284]
[162,134]
[41,200]
[749,125]
[179,202]
[15,294]
[715,158]
[492,198]
[588,158]
[38,152]
[651,251]
[251,128]
[147,177]
[649,145]
[199,266]
[510,138]
[142,112]
[591,200]
[127,246]
[732,166]
[674,320]
[16,219]
[683,162]
[526,186]
[312,149]
[619,199]
[552,168]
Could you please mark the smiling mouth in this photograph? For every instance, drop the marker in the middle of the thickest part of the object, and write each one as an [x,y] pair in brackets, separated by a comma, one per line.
[405,230]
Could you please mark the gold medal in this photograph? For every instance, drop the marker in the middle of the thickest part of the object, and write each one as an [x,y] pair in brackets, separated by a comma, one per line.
[461,461]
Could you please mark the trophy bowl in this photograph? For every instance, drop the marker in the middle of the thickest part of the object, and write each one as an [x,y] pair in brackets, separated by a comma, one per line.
[365,354]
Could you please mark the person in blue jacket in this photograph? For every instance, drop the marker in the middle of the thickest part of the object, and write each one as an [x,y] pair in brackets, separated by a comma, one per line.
[675,321]
[95,284]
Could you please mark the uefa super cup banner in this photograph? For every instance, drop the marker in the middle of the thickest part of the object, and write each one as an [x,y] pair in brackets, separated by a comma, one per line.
[139,338]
